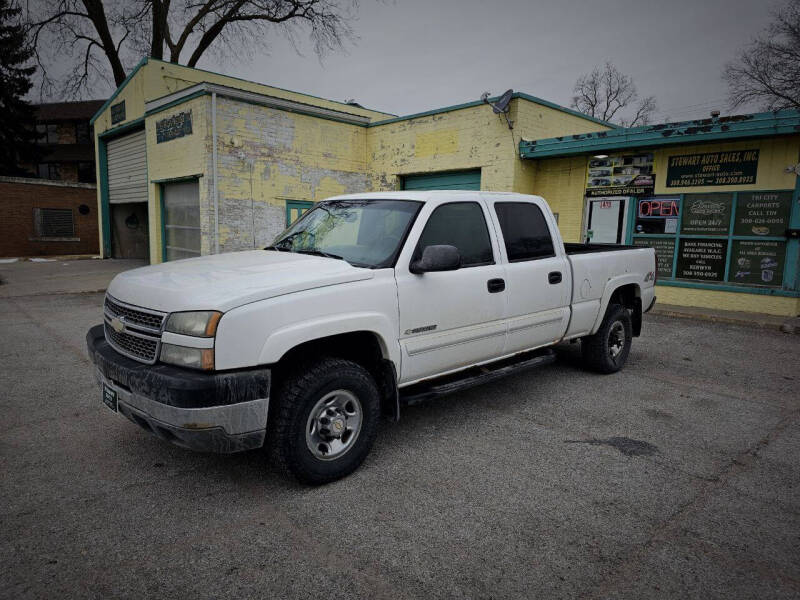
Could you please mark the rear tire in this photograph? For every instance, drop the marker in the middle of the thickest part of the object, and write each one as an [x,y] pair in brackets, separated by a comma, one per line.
[324,421]
[607,350]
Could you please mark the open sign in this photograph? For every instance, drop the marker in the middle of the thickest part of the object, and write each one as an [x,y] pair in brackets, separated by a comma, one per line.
[652,208]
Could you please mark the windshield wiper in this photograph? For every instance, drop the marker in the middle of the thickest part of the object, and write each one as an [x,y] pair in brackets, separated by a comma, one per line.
[316,252]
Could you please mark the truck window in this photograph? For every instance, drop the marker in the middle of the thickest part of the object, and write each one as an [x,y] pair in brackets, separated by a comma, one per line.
[525,231]
[459,224]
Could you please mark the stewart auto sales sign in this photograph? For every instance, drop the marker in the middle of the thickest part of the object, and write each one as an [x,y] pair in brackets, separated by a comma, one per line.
[620,175]
[737,167]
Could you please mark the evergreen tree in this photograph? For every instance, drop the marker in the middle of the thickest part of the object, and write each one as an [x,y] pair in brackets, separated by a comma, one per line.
[17,135]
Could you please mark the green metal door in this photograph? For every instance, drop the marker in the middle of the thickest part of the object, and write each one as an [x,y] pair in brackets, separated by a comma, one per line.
[446,180]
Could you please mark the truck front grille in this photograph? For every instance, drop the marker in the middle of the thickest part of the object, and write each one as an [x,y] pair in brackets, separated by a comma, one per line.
[133,331]
[140,348]
[134,316]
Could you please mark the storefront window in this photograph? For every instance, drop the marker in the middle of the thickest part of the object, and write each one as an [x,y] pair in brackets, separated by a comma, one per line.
[733,238]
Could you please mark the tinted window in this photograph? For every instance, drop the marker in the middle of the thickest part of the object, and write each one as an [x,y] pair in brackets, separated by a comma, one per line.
[525,231]
[460,224]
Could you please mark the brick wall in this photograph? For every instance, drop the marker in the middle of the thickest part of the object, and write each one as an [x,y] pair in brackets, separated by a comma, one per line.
[18,199]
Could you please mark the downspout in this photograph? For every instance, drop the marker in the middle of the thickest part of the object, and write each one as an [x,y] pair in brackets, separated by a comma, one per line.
[215,191]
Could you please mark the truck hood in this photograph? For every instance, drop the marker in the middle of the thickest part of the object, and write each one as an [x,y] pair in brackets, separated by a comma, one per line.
[225,281]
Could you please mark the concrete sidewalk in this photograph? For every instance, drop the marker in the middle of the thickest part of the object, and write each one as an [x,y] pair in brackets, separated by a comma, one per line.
[784,324]
[56,276]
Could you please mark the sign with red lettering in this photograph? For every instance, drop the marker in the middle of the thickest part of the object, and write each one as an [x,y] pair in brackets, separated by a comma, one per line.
[658,208]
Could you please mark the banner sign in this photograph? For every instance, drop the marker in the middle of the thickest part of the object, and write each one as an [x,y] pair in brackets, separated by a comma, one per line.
[758,262]
[738,167]
[702,260]
[665,251]
[706,214]
[762,213]
[174,127]
[620,175]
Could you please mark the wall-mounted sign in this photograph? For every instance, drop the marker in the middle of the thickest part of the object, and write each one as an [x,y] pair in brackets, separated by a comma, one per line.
[762,213]
[702,260]
[118,112]
[657,214]
[738,167]
[620,175]
[665,251]
[706,214]
[758,262]
[176,126]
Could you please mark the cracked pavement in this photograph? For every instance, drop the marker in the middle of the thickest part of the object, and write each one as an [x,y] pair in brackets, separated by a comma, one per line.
[480,495]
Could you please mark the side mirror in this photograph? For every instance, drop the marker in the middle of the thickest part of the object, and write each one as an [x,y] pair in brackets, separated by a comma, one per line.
[437,258]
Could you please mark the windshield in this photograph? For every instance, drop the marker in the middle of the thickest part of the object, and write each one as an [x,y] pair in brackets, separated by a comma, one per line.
[365,233]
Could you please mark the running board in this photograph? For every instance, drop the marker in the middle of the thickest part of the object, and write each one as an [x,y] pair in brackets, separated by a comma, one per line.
[427,390]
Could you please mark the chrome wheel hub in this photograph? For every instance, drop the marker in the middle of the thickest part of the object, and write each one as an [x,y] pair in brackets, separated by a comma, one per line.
[334,424]
[616,339]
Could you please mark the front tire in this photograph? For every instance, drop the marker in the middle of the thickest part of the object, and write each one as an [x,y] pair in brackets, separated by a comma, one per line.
[325,420]
[607,350]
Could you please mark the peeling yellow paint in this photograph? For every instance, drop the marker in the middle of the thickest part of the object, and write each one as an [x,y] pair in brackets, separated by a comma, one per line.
[444,141]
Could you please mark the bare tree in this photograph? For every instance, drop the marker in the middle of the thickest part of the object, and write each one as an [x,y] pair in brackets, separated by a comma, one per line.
[102,39]
[610,95]
[766,71]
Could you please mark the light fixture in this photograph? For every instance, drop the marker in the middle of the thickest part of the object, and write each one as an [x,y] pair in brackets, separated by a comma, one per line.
[600,156]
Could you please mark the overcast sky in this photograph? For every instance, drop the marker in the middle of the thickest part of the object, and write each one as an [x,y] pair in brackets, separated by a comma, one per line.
[415,55]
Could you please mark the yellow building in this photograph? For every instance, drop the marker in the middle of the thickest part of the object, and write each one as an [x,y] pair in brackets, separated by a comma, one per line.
[192,162]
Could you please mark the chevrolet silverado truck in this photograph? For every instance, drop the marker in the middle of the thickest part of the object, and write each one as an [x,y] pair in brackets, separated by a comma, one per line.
[366,303]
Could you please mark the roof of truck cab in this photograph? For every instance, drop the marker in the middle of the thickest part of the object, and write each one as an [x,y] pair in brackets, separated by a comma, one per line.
[430,195]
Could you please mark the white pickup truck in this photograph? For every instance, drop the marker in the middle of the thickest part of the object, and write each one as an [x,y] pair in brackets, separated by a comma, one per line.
[367,302]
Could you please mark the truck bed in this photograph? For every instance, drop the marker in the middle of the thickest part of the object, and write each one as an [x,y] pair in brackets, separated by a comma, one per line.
[591,248]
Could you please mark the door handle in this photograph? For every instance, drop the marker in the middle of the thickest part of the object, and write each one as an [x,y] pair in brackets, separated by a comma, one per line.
[495,285]
[554,277]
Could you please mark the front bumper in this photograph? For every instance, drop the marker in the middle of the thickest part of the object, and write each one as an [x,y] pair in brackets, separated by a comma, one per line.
[210,412]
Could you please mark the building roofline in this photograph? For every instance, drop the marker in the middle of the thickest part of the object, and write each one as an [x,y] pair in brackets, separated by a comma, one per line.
[473,103]
[784,122]
[394,119]
[119,89]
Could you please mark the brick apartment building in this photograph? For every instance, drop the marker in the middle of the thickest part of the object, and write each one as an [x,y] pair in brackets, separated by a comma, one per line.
[53,210]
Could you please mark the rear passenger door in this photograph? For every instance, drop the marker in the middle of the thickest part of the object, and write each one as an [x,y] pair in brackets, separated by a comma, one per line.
[538,277]
[451,319]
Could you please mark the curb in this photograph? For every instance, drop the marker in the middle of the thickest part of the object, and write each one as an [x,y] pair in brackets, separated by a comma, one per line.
[789,325]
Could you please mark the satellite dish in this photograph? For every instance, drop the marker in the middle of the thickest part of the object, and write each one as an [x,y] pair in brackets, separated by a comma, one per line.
[501,106]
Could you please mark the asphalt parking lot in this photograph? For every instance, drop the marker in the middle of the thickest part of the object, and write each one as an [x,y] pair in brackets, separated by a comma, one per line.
[677,477]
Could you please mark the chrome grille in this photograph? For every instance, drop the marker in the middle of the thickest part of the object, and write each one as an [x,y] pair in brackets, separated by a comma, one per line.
[134,316]
[133,331]
[139,347]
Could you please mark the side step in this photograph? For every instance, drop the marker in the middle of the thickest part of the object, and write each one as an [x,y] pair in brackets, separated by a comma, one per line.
[427,390]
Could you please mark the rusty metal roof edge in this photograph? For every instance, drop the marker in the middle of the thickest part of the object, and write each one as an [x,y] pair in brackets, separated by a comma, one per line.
[764,124]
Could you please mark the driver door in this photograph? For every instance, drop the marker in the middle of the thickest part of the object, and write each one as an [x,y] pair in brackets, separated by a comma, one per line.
[452,319]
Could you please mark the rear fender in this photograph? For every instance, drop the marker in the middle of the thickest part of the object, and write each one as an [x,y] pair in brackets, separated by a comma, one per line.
[612,286]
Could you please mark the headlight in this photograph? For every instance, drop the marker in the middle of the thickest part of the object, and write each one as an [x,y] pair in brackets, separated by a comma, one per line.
[198,323]
[183,356]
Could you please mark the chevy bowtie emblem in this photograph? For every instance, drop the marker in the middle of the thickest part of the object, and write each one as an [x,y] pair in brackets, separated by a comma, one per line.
[117,324]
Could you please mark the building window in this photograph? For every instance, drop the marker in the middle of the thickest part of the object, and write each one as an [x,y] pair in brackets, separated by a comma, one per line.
[82,133]
[48,171]
[86,172]
[296,209]
[47,133]
[736,238]
[53,222]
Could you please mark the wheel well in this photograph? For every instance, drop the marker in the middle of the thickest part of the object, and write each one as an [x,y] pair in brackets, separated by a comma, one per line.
[629,296]
[361,347]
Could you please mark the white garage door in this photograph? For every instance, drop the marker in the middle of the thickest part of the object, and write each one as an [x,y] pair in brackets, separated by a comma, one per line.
[127,169]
